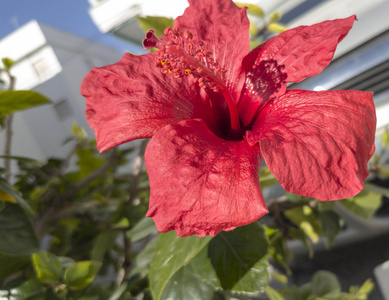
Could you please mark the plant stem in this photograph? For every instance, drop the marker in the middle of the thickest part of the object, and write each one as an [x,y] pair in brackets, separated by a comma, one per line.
[8,132]
[7,147]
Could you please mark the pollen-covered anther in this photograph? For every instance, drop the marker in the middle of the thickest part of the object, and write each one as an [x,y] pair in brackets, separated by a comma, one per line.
[188,35]
[179,54]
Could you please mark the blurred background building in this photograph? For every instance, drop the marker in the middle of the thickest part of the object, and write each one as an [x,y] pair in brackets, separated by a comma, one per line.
[53,63]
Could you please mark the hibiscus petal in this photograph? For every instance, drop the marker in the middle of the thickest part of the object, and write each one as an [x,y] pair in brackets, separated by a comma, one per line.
[288,57]
[201,184]
[306,50]
[224,29]
[318,144]
[132,99]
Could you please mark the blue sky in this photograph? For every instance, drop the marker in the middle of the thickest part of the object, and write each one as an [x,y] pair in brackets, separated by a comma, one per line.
[68,15]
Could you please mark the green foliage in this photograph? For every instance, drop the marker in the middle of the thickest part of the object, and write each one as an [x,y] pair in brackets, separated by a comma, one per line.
[365,204]
[25,160]
[276,27]
[10,264]
[17,238]
[7,63]
[330,222]
[48,268]
[142,229]
[275,16]
[196,267]
[16,233]
[385,139]
[6,188]
[79,132]
[143,259]
[324,285]
[157,23]
[13,101]
[239,258]
[266,178]
[273,294]
[189,281]
[172,253]
[27,290]
[81,274]
[252,9]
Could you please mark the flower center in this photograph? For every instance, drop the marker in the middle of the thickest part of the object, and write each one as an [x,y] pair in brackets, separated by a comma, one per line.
[180,55]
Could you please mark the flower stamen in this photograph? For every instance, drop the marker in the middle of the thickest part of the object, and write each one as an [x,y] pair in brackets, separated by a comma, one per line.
[181,55]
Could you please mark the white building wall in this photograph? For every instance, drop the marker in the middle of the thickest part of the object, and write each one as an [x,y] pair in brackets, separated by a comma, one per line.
[53,63]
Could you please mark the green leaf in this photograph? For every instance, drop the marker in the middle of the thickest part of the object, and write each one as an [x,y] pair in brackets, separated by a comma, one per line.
[66,261]
[385,139]
[118,292]
[330,223]
[79,132]
[239,258]
[297,198]
[252,9]
[365,204]
[188,284]
[383,171]
[88,161]
[324,283]
[101,244]
[201,266]
[27,289]
[123,223]
[7,62]
[143,228]
[5,197]
[81,274]
[297,233]
[273,294]
[12,101]
[11,264]
[196,280]
[370,187]
[366,287]
[298,293]
[276,27]
[48,268]
[172,252]
[275,16]
[254,44]
[16,233]
[25,160]
[253,30]
[267,179]
[305,218]
[157,23]
[5,187]
[143,259]
[278,249]
[256,279]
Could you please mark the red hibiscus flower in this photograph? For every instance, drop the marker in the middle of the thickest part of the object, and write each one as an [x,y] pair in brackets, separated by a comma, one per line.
[213,110]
